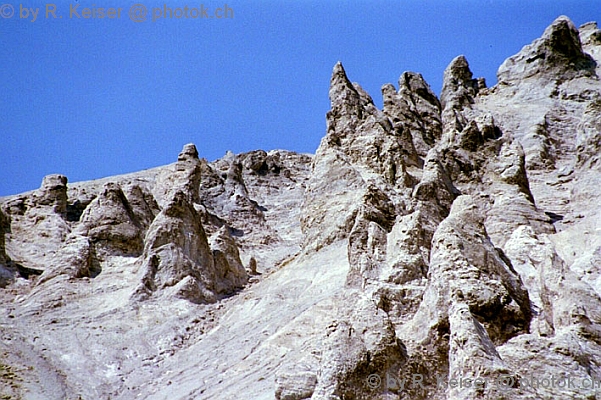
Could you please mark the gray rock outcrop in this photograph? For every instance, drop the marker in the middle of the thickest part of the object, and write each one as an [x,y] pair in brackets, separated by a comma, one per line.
[177,258]
[177,255]
[413,110]
[439,248]
[111,224]
[557,56]
[38,225]
[7,275]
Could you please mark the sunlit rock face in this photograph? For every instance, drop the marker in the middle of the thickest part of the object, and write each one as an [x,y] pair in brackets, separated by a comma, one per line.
[438,240]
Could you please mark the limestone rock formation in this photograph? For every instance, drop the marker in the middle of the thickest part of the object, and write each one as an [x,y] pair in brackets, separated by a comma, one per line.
[53,193]
[413,110]
[361,150]
[38,223]
[557,55]
[183,176]
[177,254]
[230,271]
[110,223]
[474,293]
[6,273]
[440,248]
[458,92]
[75,259]
[177,257]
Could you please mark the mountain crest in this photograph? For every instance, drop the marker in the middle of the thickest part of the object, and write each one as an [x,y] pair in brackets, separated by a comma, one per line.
[556,56]
[432,241]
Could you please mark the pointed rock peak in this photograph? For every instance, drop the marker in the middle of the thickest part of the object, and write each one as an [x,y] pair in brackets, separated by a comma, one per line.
[590,34]
[563,38]
[189,162]
[338,72]
[341,89]
[112,193]
[189,152]
[184,176]
[339,68]
[339,77]
[229,156]
[388,89]
[395,106]
[562,20]
[556,56]
[458,71]
[408,79]
[458,87]
[54,192]
[414,83]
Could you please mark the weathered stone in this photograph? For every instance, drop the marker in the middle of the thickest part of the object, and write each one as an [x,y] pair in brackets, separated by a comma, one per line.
[184,176]
[228,266]
[53,193]
[415,114]
[176,247]
[177,255]
[557,56]
[111,224]
[424,246]
[75,259]
[7,274]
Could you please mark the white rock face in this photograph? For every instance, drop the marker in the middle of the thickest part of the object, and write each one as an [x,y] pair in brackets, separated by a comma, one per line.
[436,249]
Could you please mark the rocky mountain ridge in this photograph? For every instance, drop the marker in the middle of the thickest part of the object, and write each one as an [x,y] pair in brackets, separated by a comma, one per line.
[435,240]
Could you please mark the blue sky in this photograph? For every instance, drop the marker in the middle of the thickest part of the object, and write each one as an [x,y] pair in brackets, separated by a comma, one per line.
[89,98]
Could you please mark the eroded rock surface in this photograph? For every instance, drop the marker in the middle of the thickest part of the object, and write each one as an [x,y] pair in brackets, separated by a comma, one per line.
[433,242]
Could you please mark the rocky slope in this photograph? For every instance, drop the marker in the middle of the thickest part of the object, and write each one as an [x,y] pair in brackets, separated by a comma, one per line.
[439,248]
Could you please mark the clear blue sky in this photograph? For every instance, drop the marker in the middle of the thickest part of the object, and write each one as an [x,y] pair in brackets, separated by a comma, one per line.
[89,98]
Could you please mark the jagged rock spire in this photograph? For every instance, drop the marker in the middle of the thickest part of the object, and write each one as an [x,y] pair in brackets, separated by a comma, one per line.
[345,104]
[417,89]
[558,54]
[189,152]
[54,192]
[458,92]
[6,275]
[342,92]
[459,88]
[185,176]
[415,113]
